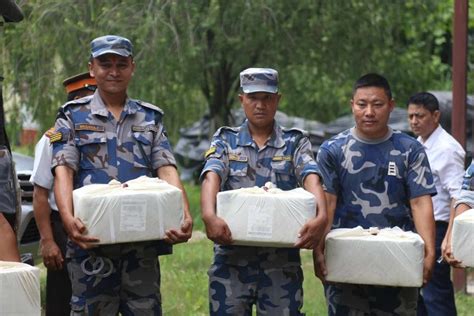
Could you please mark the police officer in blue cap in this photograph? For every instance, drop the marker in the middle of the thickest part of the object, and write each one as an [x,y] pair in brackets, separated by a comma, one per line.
[99,138]
[258,151]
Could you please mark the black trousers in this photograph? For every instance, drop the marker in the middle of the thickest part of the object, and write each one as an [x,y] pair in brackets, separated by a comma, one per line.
[58,285]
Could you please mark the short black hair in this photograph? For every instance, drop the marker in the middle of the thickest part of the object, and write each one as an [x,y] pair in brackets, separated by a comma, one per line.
[425,100]
[372,80]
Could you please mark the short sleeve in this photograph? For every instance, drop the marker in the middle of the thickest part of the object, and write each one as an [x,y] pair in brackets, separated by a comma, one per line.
[216,159]
[41,174]
[65,152]
[419,176]
[303,161]
[468,179]
[162,154]
[327,165]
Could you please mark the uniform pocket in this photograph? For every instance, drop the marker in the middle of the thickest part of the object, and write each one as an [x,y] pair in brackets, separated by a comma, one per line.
[93,149]
[142,147]
[283,175]
[238,168]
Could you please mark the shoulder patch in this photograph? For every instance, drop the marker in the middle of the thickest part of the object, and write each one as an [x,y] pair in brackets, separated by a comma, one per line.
[49,132]
[150,106]
[84,100]
[56,137]
[210,151]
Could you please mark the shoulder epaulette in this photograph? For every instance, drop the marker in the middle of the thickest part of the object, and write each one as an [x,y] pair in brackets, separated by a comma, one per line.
[295,130]
[83,100]
[225,129]
[150,106]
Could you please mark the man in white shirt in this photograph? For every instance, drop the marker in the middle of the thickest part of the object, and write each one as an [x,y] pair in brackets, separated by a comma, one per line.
[446,157]
[53,236]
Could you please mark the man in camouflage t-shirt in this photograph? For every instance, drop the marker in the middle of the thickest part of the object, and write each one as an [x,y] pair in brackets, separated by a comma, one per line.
[375,177]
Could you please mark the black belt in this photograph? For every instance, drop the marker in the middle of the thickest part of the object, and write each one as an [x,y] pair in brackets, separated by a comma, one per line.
[55,215]
[441,223]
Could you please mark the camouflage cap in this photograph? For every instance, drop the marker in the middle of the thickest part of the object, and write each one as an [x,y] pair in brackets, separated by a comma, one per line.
[111,44]
[259,80]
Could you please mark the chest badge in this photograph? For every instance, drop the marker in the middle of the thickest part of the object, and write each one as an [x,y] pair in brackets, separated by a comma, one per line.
[392,169]
[235,157]
[281,158]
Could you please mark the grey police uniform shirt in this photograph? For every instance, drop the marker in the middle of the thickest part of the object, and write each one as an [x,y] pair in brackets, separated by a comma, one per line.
[99,148]
[285,160]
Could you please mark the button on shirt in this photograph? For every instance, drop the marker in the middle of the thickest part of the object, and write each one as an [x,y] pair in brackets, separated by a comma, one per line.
[446,157]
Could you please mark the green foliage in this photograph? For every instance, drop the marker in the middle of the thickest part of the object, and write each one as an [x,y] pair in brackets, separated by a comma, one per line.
[189,53]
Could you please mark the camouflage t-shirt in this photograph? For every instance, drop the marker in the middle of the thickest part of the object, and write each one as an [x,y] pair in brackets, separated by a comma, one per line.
[285,160]
[468,180]
[374,181]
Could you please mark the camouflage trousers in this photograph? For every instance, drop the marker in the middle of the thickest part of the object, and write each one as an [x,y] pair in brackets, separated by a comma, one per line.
[368,300]
[275,291]
[121,278]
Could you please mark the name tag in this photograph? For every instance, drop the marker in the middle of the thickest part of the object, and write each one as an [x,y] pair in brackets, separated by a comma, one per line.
[234,157]
[89,127]
[148,128]
[281,158]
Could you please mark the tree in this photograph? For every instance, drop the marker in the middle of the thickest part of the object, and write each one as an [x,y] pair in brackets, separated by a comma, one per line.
[189,53]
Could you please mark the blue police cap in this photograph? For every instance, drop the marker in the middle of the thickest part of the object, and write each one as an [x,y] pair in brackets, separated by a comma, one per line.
[259,80]
[111,44]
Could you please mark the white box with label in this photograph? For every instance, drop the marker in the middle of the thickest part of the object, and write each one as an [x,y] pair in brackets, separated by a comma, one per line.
[266,217]
[463,238]
[138,210]
[388,256]
[19,289]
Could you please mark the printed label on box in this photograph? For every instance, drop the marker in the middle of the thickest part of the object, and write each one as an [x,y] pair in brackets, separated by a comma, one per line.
[260,222]
[133,215]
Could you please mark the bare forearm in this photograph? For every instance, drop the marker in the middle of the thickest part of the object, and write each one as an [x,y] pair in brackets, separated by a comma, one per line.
[170,175]
[422,210]
[42,212]
[209,189]
[313,185]
[461,208]
[8,247]
[63,187]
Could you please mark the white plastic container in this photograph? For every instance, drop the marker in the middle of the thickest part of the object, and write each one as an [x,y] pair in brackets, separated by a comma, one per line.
[463,238]
[138,210]
[265,217]
[389,256]
[19,289]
